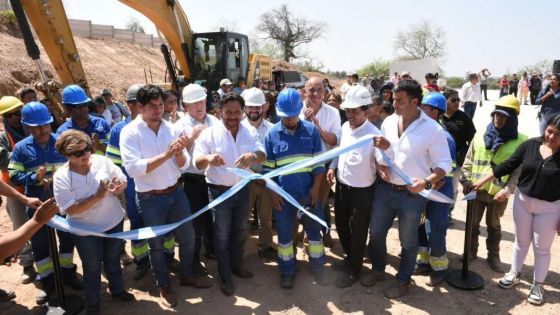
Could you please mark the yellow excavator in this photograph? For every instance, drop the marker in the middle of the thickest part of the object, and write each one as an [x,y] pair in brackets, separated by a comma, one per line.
[204,58]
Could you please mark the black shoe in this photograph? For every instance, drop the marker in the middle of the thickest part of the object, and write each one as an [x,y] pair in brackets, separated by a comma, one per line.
[268,253]
[43,295]
[287,281]
[227,288]
[141,271]
[74,283]
[436,277]
[254,227]
[346,280]
[29,275]
[495,264]
[93,309]
[243,274]
[199,270]
[421,269]
[328,241]
[6,295]
[123,296]
[174,266]
[341,265]
[319,278]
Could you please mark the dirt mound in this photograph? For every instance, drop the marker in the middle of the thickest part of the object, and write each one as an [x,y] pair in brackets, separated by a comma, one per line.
[8,24]
[283,65]
[107,63]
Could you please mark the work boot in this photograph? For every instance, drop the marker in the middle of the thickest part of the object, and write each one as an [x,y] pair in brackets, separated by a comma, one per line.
[287,281]
[199,270]
[43,294]
[141,271]
[341,265]
[372,278]
[227,288]
[75,283]
[196,282]
[6,295]
[495,263]
[320,278]
[267,253]
[421,269]
[174,266]
[167,297]
[346,280]
[436,277]
[396,290]
[29,274]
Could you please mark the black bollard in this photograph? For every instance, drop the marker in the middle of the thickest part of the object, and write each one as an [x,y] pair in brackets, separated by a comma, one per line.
[465,279]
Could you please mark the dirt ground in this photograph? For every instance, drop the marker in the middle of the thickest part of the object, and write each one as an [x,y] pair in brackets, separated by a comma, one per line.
[263,294]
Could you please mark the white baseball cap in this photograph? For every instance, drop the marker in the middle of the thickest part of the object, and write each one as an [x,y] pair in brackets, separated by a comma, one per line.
[253,97]
[225,82]
[356,96]
[193,93]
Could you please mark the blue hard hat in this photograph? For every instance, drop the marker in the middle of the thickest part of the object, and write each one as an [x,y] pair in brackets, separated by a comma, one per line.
[436,100]
[74,95]
[35,114]
[289,103]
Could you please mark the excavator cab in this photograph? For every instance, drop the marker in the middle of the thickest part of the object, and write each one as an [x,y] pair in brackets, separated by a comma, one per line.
[219,55]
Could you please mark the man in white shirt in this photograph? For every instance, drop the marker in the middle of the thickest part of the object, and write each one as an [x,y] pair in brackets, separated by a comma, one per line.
[355,174]
[192,124]
[417,145]
[229,144]
[351,80]
[154,154]
[259,195]
[327,120]
[471,95]
[225,87]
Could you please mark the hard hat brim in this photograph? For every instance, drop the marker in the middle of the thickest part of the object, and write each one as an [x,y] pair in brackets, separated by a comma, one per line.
[49,121]
[196,100]
[11,108]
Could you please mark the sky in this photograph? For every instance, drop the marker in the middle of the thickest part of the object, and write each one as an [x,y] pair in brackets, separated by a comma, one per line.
[502,36]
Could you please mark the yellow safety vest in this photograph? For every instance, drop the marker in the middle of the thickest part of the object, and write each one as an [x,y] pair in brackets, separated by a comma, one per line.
[483,160]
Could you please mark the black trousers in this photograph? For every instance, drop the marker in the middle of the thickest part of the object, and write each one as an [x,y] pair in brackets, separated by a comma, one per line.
[196,190]
[484,89]
[534,94]
[352,210]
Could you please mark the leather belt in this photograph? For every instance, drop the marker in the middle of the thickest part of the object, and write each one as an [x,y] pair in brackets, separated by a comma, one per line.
[164,191]
[218,187]
[397,187]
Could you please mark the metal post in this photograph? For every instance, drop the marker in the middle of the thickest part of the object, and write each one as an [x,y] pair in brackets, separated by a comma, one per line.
[465,279]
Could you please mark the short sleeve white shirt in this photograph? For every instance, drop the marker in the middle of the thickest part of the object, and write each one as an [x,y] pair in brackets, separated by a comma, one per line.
[329,119]
[139,143]
[70,187]
[217,139]
[357,168]
[422,147]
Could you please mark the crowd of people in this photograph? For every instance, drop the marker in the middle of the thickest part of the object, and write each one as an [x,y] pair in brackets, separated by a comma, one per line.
[166,154]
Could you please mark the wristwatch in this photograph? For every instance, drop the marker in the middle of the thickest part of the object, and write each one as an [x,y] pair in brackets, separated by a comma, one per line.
[428,185]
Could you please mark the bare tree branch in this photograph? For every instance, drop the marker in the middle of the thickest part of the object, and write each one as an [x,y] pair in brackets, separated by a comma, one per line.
[422,40]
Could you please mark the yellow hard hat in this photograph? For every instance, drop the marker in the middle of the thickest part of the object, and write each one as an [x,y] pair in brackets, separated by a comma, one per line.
[509,101]
[9,103]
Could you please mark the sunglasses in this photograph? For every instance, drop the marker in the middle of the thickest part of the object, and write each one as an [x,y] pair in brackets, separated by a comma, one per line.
[81,153]
[78,107]
[10,115]
[455,100]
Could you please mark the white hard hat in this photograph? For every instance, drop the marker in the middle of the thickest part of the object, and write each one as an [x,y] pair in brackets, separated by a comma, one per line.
[193,93]
[225,82]
[356,96]
[253,97]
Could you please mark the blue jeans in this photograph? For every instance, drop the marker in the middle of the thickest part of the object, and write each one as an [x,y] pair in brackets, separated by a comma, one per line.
[96,252]
[470,108]
[165,209]
[389,203]
[230,224]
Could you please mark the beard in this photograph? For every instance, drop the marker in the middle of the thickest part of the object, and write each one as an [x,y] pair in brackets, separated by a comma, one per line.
[254,116]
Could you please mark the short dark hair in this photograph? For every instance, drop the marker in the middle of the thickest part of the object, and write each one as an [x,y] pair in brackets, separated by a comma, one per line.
[554,121]
[448,92]
[147,93]
[388,108]
[377,100]
[168,93]
[429,75]
[26,91]
[232,98]
[364,107]
[412,89]
[473,76]
[98,100]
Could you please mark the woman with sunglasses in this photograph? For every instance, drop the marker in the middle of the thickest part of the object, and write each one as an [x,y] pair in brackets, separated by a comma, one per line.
[86,189]
[32,164]
[461,128]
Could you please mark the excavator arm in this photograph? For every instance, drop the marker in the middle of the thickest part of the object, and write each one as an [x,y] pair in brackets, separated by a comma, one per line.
[170,19]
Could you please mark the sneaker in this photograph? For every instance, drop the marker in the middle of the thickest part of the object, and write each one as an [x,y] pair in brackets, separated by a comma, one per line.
[267,253]
[509,280]
[287,281]
[396,290]
[141,271]
[6,295]
[123,296]
[372,278]
[167,297]
[536,294]
[29,274]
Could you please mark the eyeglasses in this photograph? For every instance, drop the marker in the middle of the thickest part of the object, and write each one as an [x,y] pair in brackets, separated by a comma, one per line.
[455,100]
[10,115]
[81,153]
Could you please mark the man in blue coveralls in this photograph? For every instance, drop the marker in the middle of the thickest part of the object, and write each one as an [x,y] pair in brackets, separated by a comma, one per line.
[288,141]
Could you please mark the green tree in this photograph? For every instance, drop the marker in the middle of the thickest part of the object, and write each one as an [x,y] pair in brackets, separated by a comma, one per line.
[379,67]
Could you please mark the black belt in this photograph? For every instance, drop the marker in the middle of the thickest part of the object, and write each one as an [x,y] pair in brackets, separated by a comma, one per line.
[218,187]
[396,187]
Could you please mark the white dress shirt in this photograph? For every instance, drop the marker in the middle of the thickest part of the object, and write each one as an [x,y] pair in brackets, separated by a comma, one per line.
[139,143]
[421,147]
[186,125]
[471,92]
[356,168]
[70,187]
[329,119]
[262,129]
[217,139]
